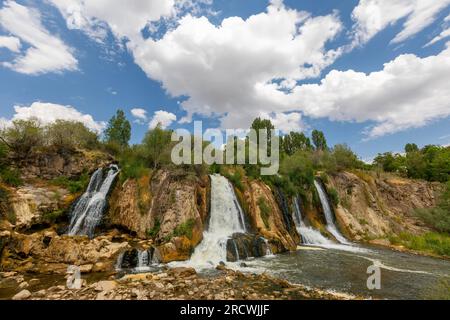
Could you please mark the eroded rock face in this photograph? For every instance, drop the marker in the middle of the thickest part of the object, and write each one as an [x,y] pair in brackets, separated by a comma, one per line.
[31,203]
[266,217]
[46,252]
[53,165]
[126,210]
[173,211]
[375,207]
[243,246]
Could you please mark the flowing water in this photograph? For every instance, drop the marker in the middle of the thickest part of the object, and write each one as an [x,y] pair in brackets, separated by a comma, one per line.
[310,236]
[331,226]
[226,219]
[403,275]
[88,211]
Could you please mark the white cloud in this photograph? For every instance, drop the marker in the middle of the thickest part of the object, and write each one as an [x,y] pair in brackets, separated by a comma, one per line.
[164,118]
[47,52]
[124,18]
[229,70]
[285,122]
[49,112]
[444,34]
[373,16]
[11,43]
[139,114]
[409,92]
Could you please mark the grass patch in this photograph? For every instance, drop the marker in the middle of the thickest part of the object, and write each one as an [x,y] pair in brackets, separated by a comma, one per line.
[265,211]
[73,185]
[435,243]
[184,229]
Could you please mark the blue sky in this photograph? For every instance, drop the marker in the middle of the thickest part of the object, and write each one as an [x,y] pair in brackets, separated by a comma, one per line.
[223,62]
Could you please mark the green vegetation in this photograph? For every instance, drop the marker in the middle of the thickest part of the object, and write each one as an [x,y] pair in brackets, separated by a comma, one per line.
[153,232]
[66,136]
[434,243]
[73,185]
[184,229]
[118,132]
[53,217]
[439,217]
[430,163]
[319,140]
[334,196]
[265,211]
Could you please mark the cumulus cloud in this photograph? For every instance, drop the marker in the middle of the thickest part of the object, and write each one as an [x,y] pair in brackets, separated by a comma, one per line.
[139,114]
[408,92]
[285,122]
[241,67]
[373,16]
[46,53]
[162,117]
[49,112]
[11,43]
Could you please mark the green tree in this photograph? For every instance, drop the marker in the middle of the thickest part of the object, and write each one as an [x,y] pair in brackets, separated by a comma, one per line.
[118,130]
[411,147]
[294,142]
[319,140]
[263,124]
[344,157]
[156,146]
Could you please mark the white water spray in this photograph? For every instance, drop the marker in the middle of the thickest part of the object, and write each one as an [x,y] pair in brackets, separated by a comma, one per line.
[88,211]
[226,219]
[310,236]
[331,227]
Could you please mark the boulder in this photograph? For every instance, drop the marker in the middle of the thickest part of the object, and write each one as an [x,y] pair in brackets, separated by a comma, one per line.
[22,295]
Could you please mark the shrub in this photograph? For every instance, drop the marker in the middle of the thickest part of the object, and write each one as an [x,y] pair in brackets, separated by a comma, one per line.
[11,177]
[434,243]
[24,136]
[69,135]
[265,211]
[53,217]
[334,197]
[74,186]
[184,229]
[153,232]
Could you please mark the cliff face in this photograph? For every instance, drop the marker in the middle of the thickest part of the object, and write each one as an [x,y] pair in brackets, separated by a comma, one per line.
[171,207]
[266,216]
[374,207]
[53,165]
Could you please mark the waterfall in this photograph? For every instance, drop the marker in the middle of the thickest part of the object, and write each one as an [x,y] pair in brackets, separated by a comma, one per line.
[226,219]
[331,226]
[310,236]
[88,211]
[268,250]
[143,260]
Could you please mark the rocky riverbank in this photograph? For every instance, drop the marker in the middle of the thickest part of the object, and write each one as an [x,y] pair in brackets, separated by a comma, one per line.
[167,284]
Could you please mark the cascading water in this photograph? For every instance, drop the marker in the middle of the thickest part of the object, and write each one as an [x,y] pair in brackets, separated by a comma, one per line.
[309,235]
[88,211]
[331,227]
[226,219]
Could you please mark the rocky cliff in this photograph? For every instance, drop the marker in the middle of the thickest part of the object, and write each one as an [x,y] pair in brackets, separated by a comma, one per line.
[171,207]
[375,206]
